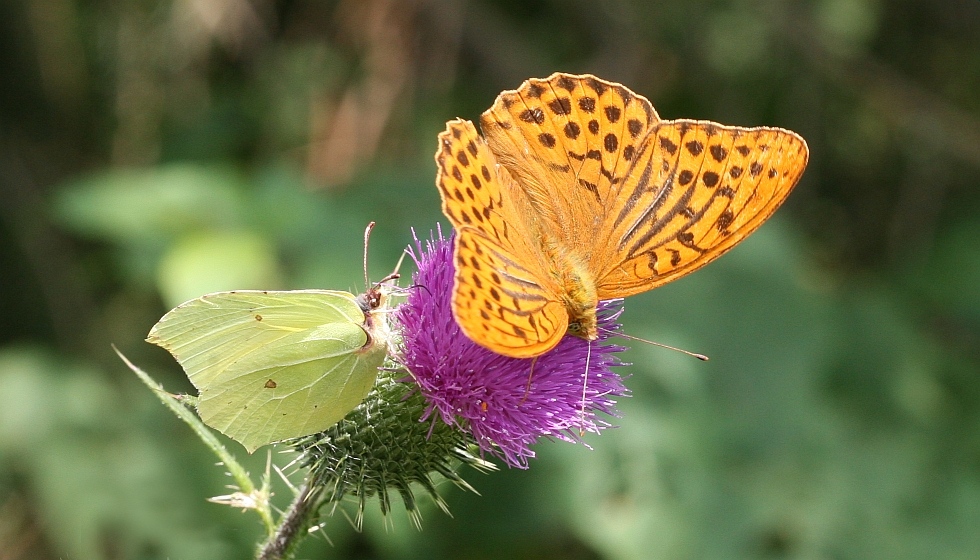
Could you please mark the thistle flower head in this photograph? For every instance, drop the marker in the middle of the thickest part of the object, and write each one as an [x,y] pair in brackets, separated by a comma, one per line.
[502,401]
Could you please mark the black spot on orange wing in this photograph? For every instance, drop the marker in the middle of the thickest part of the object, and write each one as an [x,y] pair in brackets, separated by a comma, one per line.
[534,91]
[755,169]
[686,239]
[572,130]
[685,177]
[596,85]
[613,113]
[462,159]
[624,94]
[735,172]
[535,116]
[668,145]
[587,104]
[547,140]
[718,152]
[695,147]
[652,260]
[566,83]
[635,127]
[710,178]
[610,142]
[594,126]
[724,220]
[561,106]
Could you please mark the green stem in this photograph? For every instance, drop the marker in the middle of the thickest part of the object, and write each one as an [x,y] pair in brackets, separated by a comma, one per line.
[235,468]
[294,525]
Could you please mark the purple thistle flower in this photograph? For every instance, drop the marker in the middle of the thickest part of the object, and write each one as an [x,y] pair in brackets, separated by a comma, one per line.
[476,389]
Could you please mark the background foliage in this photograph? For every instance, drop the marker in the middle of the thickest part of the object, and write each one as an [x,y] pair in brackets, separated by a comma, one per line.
[152,151]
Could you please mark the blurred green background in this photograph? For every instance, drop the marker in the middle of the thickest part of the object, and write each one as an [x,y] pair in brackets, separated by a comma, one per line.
[152,151]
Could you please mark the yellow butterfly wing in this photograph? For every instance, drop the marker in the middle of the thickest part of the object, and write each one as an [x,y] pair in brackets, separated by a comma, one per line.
[504,296]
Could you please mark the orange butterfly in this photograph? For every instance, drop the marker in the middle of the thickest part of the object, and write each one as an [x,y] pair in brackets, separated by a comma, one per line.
[580,193]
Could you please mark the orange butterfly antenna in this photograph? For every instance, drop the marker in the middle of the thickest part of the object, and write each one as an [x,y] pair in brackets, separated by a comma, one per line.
[701,357]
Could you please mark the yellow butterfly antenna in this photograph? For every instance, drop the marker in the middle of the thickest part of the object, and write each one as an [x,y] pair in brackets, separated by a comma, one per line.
[701,357]
[371,298]
[367,240]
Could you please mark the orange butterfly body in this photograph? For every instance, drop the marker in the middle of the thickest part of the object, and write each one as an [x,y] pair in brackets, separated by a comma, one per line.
[580,193]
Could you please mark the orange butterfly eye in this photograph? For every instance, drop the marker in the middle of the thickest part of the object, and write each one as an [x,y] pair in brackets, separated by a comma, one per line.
[578,192]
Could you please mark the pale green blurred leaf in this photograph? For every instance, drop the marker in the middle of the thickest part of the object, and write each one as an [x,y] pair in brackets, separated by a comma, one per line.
[106,487]
[204,262]
[129,205]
